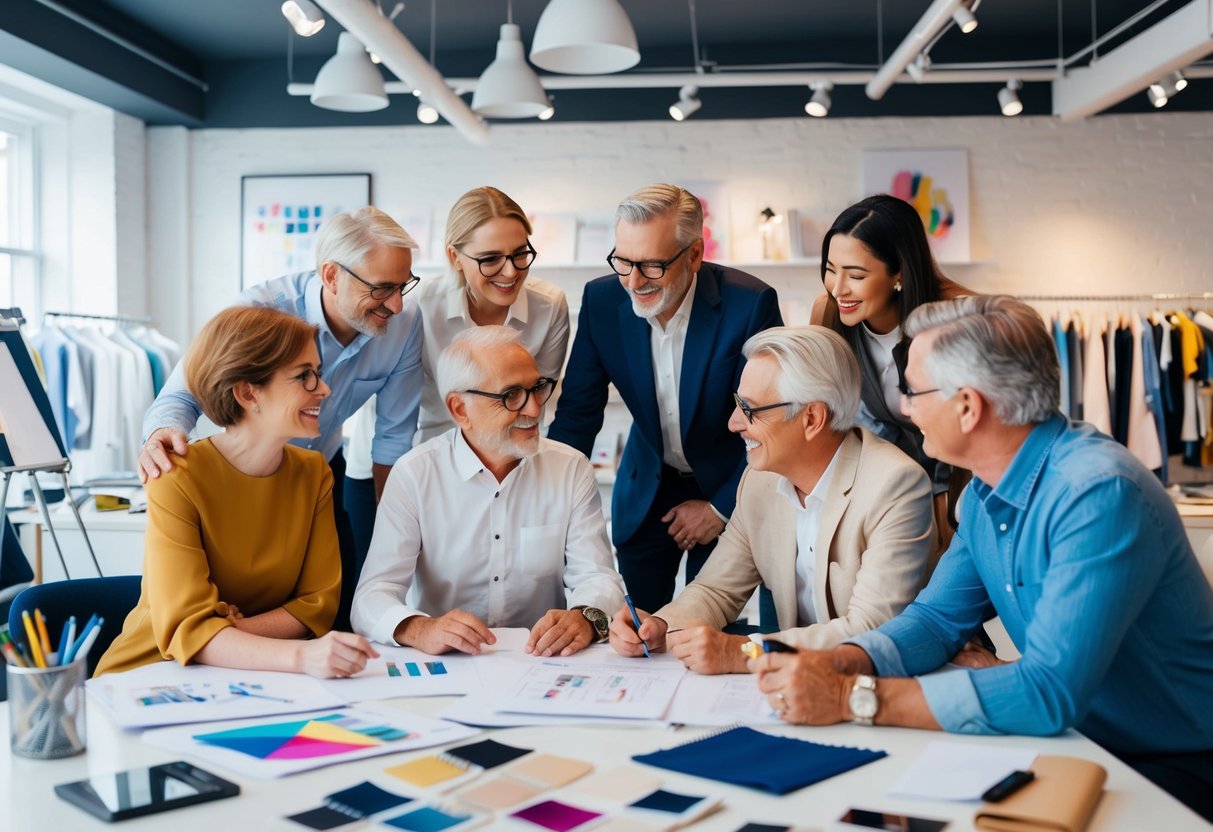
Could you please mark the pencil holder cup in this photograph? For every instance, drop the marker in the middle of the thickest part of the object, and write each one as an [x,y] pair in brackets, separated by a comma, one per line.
[46,710]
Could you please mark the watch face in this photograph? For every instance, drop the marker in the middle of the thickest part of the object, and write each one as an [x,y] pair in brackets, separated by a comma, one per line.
[863,703]
[599,620]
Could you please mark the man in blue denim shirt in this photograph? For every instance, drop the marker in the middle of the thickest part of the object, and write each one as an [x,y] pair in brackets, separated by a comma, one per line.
[369,342]
[1066,537]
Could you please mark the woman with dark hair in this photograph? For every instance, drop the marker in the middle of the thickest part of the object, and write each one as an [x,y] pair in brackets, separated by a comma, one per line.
[241,565]
[877,267]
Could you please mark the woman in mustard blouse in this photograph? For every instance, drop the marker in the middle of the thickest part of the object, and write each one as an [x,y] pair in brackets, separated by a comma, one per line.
[241,565]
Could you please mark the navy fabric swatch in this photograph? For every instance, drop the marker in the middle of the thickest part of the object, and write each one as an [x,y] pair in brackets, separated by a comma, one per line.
[488,753]
[663,801]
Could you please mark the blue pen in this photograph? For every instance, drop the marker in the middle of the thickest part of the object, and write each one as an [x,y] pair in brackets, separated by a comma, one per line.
[75,648]
[67,637]
[636,623]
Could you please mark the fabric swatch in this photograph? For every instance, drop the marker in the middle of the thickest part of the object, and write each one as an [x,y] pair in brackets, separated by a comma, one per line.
[663,801]
[499,793]
[556,816]
[322,817]
[618,785]
[488,753]
[365,799]
[427,771]
[428,819]
[549,770]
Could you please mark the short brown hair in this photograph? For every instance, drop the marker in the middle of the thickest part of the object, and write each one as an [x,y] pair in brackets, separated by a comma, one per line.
[242,343]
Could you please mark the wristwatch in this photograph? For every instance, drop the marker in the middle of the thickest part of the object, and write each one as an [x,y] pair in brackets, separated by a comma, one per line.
[599,620]
[864,702]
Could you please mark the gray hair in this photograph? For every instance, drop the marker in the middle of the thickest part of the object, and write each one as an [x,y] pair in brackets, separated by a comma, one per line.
[348,238]
[997,345]
[659,200]
[458,368]
[816,365]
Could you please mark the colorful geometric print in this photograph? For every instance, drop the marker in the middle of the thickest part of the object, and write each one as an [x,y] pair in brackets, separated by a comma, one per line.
[323,736]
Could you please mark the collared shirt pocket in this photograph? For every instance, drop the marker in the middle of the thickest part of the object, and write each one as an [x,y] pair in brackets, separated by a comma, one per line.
[541,550]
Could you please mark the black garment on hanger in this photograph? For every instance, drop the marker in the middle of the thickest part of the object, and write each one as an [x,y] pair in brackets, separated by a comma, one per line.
[1123,340]
[1173,399]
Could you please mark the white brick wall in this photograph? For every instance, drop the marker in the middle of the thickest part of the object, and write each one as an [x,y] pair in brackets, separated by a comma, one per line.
[1114,204]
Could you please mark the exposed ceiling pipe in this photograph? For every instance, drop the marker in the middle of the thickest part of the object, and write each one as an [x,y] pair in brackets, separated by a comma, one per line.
[1173,43]
[928,26]
[362,19]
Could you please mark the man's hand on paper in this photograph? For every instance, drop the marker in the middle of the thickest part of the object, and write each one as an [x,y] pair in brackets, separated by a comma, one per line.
[626,640]
[708,651]
[560,633]
[334,654]
[154,455]
[804,687]
[456,630]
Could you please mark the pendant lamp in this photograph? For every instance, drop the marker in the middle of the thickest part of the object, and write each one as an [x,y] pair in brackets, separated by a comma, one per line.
[509,88]
[584,37]
[348,81]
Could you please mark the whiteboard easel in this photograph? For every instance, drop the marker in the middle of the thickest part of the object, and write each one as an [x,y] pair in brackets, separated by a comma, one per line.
[29,437]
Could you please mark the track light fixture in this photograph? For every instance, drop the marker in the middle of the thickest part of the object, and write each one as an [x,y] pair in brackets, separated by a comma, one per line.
[966,21]
[1008,98]
[304,16]
[1178,80]
[1157,95]
[918,68]
[688,102]
[1164,89]
[426,114]
[819,104]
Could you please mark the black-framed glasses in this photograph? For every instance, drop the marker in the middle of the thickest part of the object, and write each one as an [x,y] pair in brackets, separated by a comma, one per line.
[913,394]
[649,269]
[384,292]
[490,265]
[515,398]
[749,411]
[309,378]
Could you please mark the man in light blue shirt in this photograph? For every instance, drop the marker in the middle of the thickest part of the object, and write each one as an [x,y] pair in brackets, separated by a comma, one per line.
[1065,536]
[369,342]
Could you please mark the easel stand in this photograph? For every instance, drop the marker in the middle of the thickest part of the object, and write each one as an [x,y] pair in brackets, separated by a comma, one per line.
[62,471]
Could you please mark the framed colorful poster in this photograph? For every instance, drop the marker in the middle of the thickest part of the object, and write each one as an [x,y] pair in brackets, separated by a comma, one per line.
[281,215]
[936,183]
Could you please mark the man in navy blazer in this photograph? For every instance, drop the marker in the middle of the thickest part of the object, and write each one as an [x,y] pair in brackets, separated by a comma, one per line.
[667,330]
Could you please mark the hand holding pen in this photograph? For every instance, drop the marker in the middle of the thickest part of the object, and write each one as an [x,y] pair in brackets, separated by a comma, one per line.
[636,633]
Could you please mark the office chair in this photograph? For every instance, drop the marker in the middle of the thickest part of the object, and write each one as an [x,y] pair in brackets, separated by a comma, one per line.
[112,598]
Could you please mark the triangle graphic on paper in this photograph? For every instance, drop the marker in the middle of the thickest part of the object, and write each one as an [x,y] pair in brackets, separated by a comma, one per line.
[302,748]
[335,733]
[262,748]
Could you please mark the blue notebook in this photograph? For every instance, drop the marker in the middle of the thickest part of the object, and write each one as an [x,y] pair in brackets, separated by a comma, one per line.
[745,757]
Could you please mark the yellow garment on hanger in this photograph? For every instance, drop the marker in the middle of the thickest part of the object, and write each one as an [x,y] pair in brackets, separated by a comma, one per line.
[1191,341]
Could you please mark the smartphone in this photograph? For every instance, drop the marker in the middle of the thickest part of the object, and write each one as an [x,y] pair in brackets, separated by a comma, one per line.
[145,791]
[868,819]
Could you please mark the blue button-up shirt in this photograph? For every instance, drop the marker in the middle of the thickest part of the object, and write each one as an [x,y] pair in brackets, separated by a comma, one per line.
[1081,553]
[388,365]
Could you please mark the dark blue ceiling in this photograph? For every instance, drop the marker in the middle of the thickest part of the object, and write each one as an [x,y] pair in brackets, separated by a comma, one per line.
[223,63]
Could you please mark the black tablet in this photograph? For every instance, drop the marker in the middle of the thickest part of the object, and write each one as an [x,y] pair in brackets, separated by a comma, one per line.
[145,791]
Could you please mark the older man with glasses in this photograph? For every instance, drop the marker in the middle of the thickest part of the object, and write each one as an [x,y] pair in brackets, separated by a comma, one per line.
[489,524]
[666,328]
[835,520]
[369,343]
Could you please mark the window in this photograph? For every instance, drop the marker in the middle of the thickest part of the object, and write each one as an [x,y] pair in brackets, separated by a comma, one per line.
[19,259]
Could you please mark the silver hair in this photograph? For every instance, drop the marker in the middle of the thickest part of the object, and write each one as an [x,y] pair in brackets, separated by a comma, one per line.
[457,368]
[348,238]
[816,365]
[997,345]
[660,200]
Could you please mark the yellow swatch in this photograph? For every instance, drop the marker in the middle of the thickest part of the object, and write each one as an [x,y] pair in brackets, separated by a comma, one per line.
[426,771]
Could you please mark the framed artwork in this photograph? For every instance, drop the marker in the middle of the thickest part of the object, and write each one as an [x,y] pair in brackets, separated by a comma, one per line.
[936,183]
[281,215]
[712,197]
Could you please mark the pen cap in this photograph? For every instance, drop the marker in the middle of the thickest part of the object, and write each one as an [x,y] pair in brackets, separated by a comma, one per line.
[46,710]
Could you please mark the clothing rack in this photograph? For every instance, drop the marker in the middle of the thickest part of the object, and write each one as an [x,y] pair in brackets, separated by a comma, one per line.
[126,319]
[1189,296]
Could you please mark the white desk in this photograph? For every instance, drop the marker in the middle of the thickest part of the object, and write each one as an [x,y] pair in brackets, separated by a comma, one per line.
[28,803]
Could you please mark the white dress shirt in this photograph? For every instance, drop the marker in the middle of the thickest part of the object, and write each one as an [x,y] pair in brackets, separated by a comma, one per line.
[540,314]
[880,348]
[668,343]
[449,536]
[808,523]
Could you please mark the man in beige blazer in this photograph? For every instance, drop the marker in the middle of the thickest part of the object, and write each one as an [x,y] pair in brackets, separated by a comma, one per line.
[836,521]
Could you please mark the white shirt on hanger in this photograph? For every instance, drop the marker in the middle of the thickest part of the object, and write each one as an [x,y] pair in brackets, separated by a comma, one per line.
[449,536]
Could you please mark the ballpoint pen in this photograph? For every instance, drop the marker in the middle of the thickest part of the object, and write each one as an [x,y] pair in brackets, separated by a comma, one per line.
[636,622]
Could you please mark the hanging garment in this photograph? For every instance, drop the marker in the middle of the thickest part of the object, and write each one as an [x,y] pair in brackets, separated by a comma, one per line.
[1141,431]
[1062,344]
[1153,388]
[1095,380]
[1075,343]
[1123,394]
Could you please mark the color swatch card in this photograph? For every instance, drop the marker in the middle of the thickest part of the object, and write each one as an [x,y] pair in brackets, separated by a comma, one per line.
[165,693]
[434,817]
[488,753]
[669,809]
[403,671]
[274,748]
[350,805]
[435,772]
[548,771]
[497,793]
[620,785]
[560,687]
[552,815]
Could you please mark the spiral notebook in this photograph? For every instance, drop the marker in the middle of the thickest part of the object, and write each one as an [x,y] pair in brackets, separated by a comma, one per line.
[745,757]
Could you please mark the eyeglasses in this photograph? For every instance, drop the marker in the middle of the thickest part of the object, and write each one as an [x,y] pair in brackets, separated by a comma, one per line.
[913,394]
[515,398]
[650,270]
[491,264]
[749,411]
[309,378]
[385,292]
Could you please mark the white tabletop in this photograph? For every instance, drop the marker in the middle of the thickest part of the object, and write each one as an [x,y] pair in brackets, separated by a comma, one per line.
[27,800]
